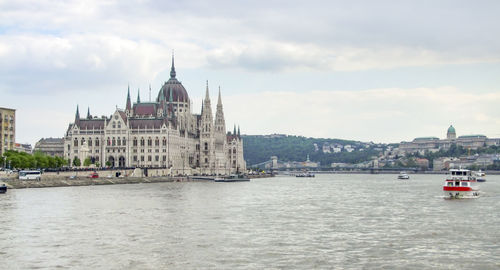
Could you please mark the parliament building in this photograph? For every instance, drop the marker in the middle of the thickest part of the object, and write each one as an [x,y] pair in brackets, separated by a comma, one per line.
[160,134]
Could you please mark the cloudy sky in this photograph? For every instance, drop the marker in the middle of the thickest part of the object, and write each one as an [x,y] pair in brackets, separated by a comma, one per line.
[382,71]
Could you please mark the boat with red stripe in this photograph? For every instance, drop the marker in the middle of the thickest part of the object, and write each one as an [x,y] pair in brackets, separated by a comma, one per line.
[459,184]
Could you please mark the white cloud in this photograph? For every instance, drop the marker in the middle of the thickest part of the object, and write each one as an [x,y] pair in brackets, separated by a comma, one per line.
[384,115]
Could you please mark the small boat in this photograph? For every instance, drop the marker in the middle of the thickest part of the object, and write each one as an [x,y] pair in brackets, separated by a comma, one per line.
[232,178]
[480,176]
[403,175]
[306,174]
[3,188]
[459,184]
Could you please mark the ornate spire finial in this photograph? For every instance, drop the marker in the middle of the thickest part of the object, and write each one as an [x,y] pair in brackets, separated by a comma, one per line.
[138,96]
[172,69]
[88,113]
[207,96]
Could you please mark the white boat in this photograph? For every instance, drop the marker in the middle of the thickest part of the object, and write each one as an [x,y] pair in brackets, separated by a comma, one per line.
[480,176]
[403,175]
[305,174]
[459,184]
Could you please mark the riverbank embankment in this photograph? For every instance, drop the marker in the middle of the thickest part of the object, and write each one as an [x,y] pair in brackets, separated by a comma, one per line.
[17,184]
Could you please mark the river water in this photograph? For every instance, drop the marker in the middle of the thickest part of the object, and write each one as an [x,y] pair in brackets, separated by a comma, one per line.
[331,221]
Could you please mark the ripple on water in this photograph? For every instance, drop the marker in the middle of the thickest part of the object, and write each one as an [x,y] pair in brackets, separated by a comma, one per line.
[342,221]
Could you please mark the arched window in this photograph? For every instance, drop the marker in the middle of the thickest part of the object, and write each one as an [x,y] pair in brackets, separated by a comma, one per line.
[83,140]
[118,141]
[134,142]
[96,142]
[150,142]
[164,142]
[142,141]
[157,142]
[206,146]
[90,141]
[124,141]
[114,124]
[109,141]
[234,150]
[113,142]
[75,142]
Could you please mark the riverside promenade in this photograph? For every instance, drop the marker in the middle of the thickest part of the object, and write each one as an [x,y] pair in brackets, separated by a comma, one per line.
[66,179]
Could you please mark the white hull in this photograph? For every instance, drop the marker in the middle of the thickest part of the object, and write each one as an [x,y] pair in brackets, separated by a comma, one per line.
[461,194]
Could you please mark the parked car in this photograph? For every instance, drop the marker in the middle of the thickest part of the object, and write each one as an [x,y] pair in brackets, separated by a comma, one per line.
[94,175]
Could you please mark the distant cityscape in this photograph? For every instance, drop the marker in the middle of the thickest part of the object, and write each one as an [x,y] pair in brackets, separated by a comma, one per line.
[404,154]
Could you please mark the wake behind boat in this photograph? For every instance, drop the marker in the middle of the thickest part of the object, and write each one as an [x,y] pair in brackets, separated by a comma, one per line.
[459,184]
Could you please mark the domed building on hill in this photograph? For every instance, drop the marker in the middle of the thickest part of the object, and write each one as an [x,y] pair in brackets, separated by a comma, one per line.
[160,134]
[434,144]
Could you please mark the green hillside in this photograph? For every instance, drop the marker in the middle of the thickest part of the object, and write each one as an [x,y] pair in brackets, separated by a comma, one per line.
[259,148]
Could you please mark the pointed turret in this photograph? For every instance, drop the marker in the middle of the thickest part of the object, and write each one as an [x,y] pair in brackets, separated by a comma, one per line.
[234,130]
[239,131]
[220,123]
[207,96]
[138,96]
[88,113]
[128,107]
[172,69]
[77,115]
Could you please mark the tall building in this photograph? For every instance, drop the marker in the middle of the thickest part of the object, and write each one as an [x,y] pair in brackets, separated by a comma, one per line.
[7,129]
[160,134]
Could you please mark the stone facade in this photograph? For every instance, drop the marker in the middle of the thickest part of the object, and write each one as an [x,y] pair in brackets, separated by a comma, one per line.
[160,134]
[7,129]
[434,144]
[50,146]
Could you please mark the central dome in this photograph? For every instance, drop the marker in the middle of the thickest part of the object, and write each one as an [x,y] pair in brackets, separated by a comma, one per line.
[173,86]
[451,129]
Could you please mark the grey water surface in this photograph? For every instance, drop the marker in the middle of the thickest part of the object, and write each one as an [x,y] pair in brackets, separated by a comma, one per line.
[331,221]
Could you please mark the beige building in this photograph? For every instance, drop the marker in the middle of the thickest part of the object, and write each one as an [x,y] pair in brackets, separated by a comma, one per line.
[50,146]
[434,144]
[7,129]
[160,134]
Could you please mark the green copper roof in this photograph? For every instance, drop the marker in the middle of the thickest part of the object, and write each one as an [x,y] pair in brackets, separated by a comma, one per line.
[451,129]
[472,136]
[426,138]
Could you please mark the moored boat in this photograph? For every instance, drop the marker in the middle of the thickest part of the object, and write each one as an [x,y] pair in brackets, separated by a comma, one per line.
[3,188]
[306,174]
[233,178]
[403,176]
[459,184]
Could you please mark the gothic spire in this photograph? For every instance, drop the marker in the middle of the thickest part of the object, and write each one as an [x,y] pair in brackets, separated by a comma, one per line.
[238,130]
[138,96]
[234,130]
[77,115]
[172,69]
[207,96]
[88,113]
[219,100]
[129,105]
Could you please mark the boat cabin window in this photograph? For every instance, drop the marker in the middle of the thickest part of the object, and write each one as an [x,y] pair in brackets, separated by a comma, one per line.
[450,184]
[465,184]
[457,183]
